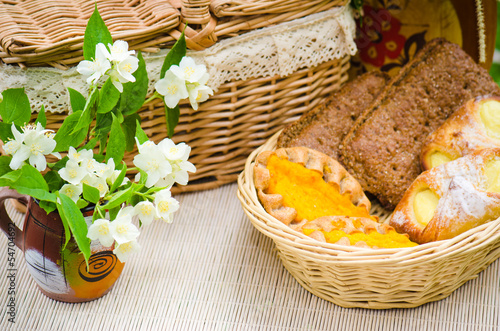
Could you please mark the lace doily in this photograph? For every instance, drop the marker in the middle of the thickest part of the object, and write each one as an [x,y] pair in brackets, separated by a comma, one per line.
[277,50]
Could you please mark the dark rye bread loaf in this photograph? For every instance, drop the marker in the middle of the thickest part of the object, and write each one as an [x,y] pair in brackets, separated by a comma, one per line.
[382,148]
[323,127]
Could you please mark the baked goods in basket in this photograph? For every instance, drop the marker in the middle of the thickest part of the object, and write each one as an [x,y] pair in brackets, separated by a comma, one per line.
[382,149]
[323,127]
[451,198]
[355,231]
[299,184]
[476,125]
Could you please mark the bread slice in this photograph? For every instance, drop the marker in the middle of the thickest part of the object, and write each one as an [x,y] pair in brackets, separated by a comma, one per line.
[382,148]
[323,127]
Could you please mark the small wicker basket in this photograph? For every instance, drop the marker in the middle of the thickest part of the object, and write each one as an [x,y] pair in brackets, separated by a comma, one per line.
[372,278]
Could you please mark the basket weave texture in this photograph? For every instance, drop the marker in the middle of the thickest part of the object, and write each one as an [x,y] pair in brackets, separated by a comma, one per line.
[237,119]
[372,278]
[241,115]
[40,32]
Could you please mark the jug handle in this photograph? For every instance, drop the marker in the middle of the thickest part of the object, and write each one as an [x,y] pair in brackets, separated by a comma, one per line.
[8,227]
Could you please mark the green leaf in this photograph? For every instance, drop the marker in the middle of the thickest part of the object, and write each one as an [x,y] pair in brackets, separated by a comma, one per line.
[47,206]
[60,164]
[10,177]
[6,178]
[98,212]
[15,107]
[141,136]
[175,55]
[143,177]
[32,183]
[113,212]
[76,99]
[6,132]
[91,144]
[108,97]
[103,126]
[65,136]
[54,181]
[134,94]
[41,118]
[103,141]
[81,203]
[99,158]
[119,180]
[72,215]
[154,189]
[96,32]
[88,113]
[172,116]
[119,198]
[116,143]
[91,193]
[64,221]
[4,164]
[135,199]
[129,129]
[119,116]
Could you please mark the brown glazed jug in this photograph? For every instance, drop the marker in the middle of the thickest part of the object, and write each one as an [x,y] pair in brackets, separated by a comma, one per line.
[61,274]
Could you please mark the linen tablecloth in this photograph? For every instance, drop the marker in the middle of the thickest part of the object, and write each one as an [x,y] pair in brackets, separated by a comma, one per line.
[211,270]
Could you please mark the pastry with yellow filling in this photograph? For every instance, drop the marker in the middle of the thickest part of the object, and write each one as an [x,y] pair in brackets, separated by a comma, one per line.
[451,198]
[298,184]
[475,125]
[355,231]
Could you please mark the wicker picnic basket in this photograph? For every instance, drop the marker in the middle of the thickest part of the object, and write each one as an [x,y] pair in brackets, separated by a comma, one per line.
[372,278]
[244,112]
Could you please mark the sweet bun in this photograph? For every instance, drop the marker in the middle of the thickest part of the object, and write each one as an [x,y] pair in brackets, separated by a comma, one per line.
[451,198]
[475,125]
[330,171]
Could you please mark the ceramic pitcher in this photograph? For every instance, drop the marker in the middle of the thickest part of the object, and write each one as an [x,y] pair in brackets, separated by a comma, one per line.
[60,272]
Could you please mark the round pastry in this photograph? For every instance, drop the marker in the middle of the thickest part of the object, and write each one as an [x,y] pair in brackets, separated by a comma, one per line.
[355,231]
[475,125]
[451,198]
[298,184]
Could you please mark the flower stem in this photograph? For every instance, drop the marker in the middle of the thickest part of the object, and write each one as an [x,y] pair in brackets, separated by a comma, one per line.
[154,96]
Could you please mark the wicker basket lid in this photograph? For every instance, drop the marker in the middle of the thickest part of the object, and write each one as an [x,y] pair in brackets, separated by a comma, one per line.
[50,33]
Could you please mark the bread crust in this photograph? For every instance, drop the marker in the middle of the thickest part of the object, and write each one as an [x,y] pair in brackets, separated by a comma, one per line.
[323,127]
[464,201]
[461,134]
[382,149]
[333,174]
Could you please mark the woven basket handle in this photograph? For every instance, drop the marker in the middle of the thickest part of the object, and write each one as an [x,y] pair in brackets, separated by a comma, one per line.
[471,25]
[196,12]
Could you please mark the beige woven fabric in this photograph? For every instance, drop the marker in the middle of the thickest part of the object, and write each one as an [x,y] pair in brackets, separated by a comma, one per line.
[212,270]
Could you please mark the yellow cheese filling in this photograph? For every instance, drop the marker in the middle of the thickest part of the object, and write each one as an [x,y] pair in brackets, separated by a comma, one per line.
[489,112]
[492,172]
[424,205]
[437,158]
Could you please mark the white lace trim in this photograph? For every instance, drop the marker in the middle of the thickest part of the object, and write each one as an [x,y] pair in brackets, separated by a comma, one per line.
[277,50]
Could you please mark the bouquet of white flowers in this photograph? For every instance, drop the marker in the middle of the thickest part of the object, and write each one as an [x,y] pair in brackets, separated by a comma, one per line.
[106,121]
